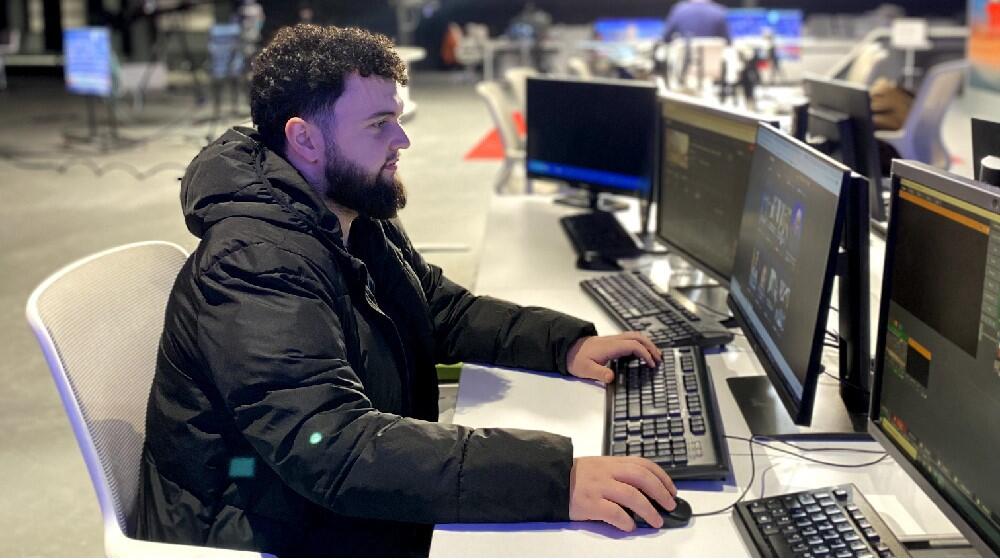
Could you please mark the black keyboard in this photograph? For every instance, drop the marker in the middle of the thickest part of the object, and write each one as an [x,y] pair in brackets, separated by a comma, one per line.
[599,232]
[667,414]
[636,303]
[834,522]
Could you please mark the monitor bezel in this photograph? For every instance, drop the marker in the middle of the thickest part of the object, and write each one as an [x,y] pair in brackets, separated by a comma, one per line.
[594,187]
[801,411]
[972,192]
[985,136]
[746,117]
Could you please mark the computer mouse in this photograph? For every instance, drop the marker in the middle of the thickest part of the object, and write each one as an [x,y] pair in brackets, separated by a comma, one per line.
[680,516]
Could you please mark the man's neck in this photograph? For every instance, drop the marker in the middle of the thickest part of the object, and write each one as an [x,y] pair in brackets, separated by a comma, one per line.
[346,217]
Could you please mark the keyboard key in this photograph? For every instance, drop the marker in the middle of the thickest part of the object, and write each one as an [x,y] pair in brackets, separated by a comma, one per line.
[840,494]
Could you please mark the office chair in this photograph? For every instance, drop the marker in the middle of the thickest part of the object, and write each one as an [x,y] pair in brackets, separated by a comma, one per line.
[920,136]
[868,65]
[98,322]
[503,119]
[517,79]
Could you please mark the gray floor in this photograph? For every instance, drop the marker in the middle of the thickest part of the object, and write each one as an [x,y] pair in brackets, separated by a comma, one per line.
[63,202]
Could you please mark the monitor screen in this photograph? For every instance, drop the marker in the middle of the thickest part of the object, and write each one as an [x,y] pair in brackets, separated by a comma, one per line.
[599,135]
[704,166]
[936,399]
[854,145]
[785,25]
[638,29]
[985,142]
[87,60]
[785,262]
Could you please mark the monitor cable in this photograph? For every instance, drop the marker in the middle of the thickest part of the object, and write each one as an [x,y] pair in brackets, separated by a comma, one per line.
[764,441]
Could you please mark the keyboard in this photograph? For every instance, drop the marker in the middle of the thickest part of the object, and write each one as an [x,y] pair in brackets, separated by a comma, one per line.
[637,304]
[599,232]
[667,414]
[834,522]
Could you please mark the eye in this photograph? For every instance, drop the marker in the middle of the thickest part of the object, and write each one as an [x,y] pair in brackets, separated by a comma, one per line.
[380,123]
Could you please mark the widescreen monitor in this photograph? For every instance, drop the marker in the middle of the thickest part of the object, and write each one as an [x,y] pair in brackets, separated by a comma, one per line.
[87,60]
[786,260]
[936,393]
[840,114]
[784,25]
[626,30]
[985,142]
[704,166]
[595,134]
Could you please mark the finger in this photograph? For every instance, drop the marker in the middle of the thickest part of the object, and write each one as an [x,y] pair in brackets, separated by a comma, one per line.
[641,338]
[639,351]
[613,514]
[642,477]
[596,371]
[628,496]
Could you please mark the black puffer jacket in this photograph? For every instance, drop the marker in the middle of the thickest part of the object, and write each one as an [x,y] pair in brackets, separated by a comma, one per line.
[295,401]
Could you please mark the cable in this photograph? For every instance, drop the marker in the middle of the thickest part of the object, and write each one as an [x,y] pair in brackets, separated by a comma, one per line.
[753,465]
[753,473]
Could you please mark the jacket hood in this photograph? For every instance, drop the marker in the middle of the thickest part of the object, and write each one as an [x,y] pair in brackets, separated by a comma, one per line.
[237,176]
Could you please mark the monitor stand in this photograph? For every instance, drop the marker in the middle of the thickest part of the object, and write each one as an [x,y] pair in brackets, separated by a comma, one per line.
[711,297]
[585,198]
[766,416]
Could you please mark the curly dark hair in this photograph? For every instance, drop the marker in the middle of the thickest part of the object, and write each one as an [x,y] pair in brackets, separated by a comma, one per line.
[301,72]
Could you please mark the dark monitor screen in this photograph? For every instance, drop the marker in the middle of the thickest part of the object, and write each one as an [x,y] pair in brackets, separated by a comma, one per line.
[936,397]
[833,99]
[599,135]
[985,142]
[704,166]
[786,261]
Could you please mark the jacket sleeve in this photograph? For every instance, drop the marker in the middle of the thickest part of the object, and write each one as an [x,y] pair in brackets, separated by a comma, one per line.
[489,330]
[275,350]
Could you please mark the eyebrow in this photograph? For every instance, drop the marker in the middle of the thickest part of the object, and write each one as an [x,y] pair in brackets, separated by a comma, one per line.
[380,114]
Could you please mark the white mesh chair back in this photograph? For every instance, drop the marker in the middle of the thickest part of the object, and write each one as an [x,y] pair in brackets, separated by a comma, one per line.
[502,113]
[99,322]
[517,78]
[922,128]
[867,66]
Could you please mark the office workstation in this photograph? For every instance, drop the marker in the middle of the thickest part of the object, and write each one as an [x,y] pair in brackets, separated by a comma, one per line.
[801,217]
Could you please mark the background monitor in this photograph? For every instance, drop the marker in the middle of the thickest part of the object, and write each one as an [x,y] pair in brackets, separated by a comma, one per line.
[840,113]
[704,167]
[786,26]
[985,141]
[936,395]
[595,134]
[87,60]
[625,30]
[782,279]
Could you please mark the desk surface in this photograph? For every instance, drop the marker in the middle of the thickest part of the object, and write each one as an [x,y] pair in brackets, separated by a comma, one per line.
[541,272]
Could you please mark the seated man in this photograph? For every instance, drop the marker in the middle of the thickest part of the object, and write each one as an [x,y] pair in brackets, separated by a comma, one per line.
[294,406]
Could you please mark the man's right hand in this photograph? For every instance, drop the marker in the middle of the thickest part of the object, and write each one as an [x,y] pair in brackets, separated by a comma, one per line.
[600,487]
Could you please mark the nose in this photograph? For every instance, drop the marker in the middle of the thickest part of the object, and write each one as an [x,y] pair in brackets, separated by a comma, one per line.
[400,141]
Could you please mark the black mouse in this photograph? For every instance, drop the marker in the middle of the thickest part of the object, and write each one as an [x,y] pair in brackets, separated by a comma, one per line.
[679,517]
[592,260]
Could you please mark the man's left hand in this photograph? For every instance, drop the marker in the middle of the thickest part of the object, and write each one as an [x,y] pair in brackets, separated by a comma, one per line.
[588,357]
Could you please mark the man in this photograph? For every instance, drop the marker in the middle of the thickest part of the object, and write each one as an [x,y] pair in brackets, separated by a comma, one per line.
[294,406]
[696,18]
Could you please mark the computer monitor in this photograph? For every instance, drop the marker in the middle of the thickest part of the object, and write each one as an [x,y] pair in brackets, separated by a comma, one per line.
[87,60]
[936,392]
[985,142]
[840,121]
[599,135]
[785,25]
[633,29]
[704,165]
[802,209]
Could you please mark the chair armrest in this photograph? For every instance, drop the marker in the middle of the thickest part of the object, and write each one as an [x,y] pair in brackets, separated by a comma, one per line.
[117,545]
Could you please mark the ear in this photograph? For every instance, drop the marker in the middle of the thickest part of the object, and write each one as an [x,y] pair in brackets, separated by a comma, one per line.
[305,140]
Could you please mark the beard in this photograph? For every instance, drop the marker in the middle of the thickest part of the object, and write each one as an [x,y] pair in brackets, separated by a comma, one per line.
[348,185]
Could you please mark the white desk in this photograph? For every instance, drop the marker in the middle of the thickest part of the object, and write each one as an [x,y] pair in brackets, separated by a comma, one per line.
[526,258]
